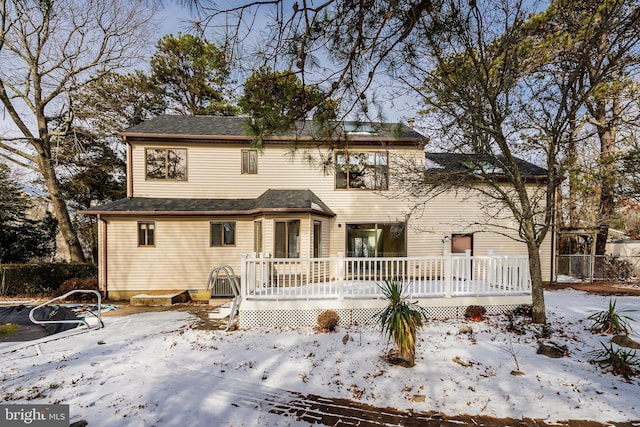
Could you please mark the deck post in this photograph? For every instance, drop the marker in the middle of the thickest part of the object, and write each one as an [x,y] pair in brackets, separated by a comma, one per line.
[265,278]
[243,276]
[448,274]
[468,274]
[340,267]
[491,268]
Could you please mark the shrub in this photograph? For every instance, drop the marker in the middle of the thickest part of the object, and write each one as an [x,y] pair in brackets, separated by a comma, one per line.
[328,321]
[617,268]
[620,361]
[35,279]
[611,321]
[90,283]
[523,310]
[475,312]
[401,320]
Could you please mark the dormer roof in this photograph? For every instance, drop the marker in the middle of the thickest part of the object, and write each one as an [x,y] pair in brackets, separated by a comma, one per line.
[478,163]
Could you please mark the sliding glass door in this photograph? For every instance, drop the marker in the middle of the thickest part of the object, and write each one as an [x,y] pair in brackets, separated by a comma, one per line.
[376,240]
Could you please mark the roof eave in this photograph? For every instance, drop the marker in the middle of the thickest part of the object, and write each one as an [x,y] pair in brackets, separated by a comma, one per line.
[271,139]
[250,212]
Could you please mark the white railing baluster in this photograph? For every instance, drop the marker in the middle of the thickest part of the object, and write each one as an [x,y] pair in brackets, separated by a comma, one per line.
[343,277]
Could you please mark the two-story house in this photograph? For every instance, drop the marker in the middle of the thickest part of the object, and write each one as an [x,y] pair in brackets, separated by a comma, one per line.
[199,196]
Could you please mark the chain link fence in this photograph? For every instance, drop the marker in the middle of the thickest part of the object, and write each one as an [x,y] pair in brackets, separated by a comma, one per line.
[591,268]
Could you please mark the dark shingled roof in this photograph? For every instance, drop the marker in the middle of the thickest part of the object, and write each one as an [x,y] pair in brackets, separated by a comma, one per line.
[271,201]
[465,162]
[221,126]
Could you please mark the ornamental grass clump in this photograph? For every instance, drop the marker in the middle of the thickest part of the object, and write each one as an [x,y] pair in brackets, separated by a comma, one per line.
[612,321]
[400,322]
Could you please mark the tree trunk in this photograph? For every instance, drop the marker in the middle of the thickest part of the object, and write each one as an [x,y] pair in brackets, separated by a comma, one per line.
[539,314]
[572,159]
[608,178]
[538,309]
[60,210]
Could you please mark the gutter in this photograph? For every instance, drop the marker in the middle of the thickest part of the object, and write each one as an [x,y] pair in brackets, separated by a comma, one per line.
[272,139]
[250,212]
[103,257]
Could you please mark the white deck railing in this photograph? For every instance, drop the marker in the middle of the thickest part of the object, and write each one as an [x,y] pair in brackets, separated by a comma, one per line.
[342,277]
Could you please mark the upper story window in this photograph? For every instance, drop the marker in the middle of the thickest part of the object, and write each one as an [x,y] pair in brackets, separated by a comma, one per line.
[364,170]
[166,163]
[249,161]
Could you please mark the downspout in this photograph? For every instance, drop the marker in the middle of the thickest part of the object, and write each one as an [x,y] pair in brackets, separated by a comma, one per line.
[129,168]
[103,257]
[554,238]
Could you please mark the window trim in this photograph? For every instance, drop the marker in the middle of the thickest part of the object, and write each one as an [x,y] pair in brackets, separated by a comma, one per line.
[347,156]
[248,171]
[143,226]
[166,171]
[222,234]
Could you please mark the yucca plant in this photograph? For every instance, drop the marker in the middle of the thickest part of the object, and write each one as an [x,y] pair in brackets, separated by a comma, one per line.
[620,361]
[401,320]
[612,320]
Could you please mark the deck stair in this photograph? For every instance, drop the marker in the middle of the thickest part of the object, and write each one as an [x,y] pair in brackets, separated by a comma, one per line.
[221,312]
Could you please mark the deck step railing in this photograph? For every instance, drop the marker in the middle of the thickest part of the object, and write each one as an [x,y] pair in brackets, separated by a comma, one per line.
[230,277]
[449,275]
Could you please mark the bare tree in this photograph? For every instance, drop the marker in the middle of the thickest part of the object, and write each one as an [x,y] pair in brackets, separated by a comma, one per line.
[495,79]
[489,101]
[610,32]
[49,50]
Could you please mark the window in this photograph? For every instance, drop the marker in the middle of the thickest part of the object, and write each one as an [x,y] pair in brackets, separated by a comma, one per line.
[223,234]
[461,242]
[376,240]
[257,237]
[317,239]
[359,129]
[146,233]
[249,161]
[483,167]
[166,163]
[367,171]
[287,239]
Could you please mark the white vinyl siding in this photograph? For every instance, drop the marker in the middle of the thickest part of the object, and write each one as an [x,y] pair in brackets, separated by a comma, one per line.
[214,163]
[181,259]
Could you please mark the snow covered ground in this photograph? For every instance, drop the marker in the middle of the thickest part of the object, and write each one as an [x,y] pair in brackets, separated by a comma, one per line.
[155,369]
